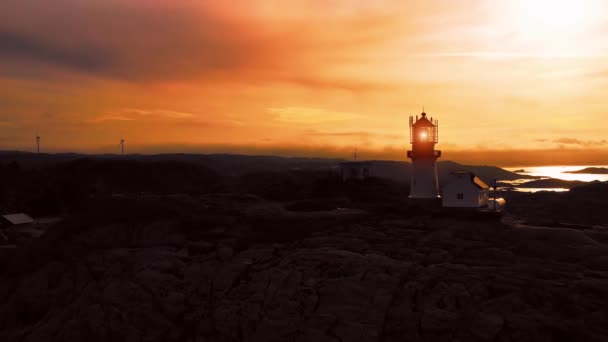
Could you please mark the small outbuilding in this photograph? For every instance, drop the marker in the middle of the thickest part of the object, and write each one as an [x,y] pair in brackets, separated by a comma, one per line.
[20,226]
[355,170]
[465,190]
[19,219]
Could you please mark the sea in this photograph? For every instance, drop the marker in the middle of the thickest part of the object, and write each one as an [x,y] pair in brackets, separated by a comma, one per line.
[556,172]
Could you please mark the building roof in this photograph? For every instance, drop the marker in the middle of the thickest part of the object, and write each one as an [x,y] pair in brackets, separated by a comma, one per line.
[474,179]
[423,121]
[479,183]
[19,218]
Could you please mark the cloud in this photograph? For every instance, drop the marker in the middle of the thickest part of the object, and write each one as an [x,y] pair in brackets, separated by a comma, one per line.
[109,117]
[142,41]
[357,134]
[341,134]
[574,141]
[128,43]
[170,114]
[132,114]
[512,54]
[340,83]
[600,74]
[309,116]
[183,119]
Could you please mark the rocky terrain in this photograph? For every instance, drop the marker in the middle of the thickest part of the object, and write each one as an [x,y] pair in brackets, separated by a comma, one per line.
[584,205]
[284,250]
[240,268]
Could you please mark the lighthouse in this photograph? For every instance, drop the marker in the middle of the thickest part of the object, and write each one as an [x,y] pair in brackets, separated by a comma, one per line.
[424,134]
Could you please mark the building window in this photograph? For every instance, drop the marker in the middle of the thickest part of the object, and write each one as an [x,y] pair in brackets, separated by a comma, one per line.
[460,195]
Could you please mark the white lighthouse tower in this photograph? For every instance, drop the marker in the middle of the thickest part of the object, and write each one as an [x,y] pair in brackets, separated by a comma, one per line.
[424,134]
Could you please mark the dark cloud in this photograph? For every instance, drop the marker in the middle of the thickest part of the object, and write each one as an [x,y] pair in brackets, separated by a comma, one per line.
[149,40]
[17,47]
[124,41]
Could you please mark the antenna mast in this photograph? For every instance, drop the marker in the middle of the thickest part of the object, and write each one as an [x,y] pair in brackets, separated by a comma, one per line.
[122,146]
[37,143]
[495,197]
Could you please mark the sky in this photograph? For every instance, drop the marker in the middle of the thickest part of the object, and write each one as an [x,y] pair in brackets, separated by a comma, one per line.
[511,82]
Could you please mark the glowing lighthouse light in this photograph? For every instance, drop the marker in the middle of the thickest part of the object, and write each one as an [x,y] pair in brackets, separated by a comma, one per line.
[424,134]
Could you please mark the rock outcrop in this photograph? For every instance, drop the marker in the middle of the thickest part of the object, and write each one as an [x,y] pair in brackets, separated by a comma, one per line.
[228,277]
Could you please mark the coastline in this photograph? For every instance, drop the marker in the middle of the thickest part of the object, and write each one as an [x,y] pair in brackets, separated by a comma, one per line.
[552,178]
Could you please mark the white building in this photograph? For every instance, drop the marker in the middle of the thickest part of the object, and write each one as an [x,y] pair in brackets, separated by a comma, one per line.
[465,190]
[355,170]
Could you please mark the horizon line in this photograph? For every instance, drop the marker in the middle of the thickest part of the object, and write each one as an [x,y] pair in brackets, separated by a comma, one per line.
[326,157]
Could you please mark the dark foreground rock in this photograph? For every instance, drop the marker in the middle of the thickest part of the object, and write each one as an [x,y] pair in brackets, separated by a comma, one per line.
[247,270]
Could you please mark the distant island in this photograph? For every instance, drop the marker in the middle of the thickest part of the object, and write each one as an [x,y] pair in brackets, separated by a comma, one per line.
[590,170]
[520,171]
[552,183]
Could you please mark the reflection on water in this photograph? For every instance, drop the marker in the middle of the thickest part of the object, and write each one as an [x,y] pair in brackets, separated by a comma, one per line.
[532,189]
[557,172]
[516,182]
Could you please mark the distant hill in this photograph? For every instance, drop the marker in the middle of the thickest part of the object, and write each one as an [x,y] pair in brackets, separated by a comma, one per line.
[234,165]
[225,164]
[591,170]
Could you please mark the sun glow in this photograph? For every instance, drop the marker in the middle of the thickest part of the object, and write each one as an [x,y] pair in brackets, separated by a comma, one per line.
[513,81]
[554,26]
[554,16]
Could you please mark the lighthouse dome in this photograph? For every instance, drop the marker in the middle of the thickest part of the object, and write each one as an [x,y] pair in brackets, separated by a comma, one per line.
[423,122]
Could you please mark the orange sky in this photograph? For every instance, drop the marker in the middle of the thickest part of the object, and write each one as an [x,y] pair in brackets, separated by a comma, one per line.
[508,80]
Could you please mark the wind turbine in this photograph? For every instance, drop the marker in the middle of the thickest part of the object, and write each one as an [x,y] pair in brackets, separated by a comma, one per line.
[37,143]
[122,146]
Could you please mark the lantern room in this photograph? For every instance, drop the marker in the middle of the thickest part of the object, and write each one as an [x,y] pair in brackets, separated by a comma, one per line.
[424,134]
[423,130]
